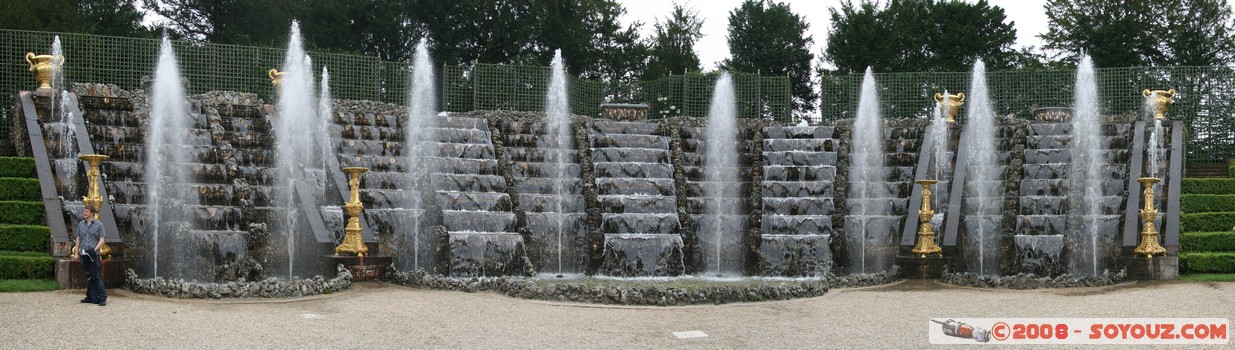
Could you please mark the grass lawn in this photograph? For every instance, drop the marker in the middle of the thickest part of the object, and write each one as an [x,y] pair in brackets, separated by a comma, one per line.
[1208,277]
[28,285]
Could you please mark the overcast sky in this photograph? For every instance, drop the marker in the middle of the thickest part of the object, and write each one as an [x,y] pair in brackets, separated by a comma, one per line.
[1027,15]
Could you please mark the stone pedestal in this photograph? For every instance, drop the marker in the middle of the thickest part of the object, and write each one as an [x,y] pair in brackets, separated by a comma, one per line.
[71,275]
[369,268]
[930,267]
[1156,268]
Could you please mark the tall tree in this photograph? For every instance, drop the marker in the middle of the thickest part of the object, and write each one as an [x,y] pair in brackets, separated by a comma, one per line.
[767,37]
[226,21]
[593,42]
[921,35]
[1139,33]
[672,49]
[105,17]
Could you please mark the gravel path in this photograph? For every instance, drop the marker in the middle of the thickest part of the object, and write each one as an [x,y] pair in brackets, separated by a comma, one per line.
[374,315]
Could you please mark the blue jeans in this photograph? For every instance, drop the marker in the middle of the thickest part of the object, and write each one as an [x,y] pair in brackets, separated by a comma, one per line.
[95,291]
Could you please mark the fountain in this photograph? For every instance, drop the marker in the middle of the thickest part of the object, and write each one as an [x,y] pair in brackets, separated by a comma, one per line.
[417,142]
[558,128]
[1088,234]
[939,134]
[166,174]
[297,141]
[983,202]
[723,240]
[325,111]
[865,231]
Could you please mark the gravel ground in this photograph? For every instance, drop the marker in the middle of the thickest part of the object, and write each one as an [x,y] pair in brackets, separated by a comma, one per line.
[375,315]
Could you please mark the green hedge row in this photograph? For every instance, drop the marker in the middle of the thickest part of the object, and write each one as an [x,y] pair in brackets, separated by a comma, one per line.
[1206,203]
[23,267]
[1206,222]
[22,213]
[1208,186]
[19,189]
[16,167]
[24,238]
[1221,241]
[1212,262]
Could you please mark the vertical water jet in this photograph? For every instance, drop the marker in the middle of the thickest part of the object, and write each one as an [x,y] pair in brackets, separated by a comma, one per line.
[720,171]
[983,185]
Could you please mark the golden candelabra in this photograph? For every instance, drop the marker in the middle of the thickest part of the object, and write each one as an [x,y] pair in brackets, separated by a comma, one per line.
[1161,100]
[276,77]
[926,236]
[952,106]
[352,241]
[93,199]
[1149,234]
[44,68]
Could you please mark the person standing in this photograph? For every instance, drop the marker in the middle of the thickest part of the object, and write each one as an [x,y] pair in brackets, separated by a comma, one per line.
[89,240]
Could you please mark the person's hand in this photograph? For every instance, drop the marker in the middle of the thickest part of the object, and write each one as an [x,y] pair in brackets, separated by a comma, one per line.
[73,257]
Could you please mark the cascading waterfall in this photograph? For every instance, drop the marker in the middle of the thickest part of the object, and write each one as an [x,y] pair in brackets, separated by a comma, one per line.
[983,194]
[557,110]
[325,111]
[867,193]
[165,173]
[421,111]
[1155,140]
[939,134]
[65,154]
[1085,175]
[297,150]
[720,171]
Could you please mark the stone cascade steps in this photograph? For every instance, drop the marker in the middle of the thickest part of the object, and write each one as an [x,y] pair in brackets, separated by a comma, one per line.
[230,187]
[476,206]
[547,179]
[639,216]
[884,213]
[462,183]
[799,167]
[1043,221]
[720,242]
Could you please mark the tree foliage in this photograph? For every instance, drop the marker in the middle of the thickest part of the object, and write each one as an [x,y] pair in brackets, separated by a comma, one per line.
[104,17]
[921,35]
[1141,33]
[771,39]
[672,48]
[593,42]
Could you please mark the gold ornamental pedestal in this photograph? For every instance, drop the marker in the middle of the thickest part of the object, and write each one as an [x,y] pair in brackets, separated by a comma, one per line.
[1161,100]
[952,105]
[44,68]
[352,240]
[92,198]
[1149,234]
[926,236]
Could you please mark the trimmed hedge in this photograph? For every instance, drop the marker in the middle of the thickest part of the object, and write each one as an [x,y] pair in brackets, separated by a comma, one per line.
[1206,203]
[1206,222]
[1208,186]
[19,189]
[1222,241]
[1211,262]
[27,267]
[17,167]
[24,213]
[24,238]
